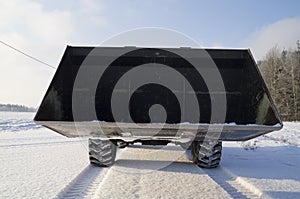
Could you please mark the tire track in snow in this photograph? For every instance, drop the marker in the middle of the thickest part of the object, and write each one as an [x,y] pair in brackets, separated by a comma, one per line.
[235,186]
[85,185]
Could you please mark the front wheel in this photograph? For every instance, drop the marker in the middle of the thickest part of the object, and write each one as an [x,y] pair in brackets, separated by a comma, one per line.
[102,152]
[206,154]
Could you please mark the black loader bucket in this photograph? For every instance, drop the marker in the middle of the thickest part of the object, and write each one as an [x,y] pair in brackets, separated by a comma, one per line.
[128,92]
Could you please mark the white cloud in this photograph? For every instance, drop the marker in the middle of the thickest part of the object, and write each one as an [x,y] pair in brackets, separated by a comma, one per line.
[26,25]
[90,6]
[93,9]
[283,33]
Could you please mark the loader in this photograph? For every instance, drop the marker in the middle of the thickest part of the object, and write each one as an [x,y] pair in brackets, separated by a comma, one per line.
[120,96]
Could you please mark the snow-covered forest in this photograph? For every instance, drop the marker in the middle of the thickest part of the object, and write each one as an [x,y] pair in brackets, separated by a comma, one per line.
[281,71]
[16,108]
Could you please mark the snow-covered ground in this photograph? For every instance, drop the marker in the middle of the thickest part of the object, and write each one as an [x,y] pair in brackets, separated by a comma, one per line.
[38,163]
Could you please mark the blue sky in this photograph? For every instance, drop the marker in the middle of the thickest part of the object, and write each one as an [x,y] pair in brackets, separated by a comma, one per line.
[43,29]
[225,22]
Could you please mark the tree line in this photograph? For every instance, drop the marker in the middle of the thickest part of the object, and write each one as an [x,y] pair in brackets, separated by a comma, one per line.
[16,108]
[280,69]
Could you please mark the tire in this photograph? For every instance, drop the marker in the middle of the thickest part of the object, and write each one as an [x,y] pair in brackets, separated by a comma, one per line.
[206,154]
[102,153]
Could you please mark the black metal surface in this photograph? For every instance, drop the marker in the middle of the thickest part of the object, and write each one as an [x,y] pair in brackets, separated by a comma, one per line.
[248,100]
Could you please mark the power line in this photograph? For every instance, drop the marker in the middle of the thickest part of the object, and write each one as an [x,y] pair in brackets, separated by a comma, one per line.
[27,55]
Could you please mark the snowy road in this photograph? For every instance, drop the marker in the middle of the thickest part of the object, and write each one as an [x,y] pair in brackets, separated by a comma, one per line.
[37,163]
[138,177]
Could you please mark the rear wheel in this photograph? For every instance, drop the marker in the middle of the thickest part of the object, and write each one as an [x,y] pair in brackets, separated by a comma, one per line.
[206,154]
[102,152]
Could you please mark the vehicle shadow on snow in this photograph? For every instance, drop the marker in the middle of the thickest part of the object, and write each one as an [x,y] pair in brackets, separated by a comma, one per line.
[218,175]
[158,147]
[159,165]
